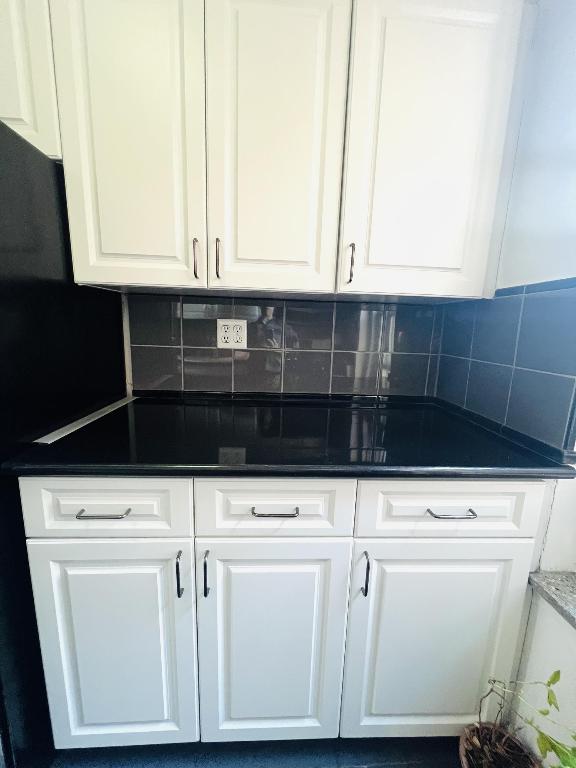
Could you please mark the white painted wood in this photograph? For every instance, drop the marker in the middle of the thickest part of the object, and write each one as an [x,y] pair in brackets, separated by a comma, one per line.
[441,617]
[399,508]
[428,107]
[118,646]
[158,506]
[27,88]
[130,82]
[224,507]
[276,93]
[550,645]
[271,637]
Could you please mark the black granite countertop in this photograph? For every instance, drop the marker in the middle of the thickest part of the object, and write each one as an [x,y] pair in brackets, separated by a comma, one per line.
[240,437]
[559,589]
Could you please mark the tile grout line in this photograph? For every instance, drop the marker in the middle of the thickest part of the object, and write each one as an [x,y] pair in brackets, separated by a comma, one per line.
[332,347]
[472,337]
[520,319]
[283,346]
[430,352]
[232,351]
[182,339]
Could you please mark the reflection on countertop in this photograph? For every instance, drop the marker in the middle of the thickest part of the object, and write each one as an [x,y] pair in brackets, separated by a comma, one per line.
[227,436]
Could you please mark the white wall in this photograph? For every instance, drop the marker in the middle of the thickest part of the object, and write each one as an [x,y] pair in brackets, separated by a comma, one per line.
[559,553]
[550,644]
[539,241]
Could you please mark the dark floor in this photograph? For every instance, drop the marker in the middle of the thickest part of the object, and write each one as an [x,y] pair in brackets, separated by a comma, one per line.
[337,753]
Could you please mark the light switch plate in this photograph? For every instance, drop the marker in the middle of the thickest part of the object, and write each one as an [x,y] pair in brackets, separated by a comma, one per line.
[231,334]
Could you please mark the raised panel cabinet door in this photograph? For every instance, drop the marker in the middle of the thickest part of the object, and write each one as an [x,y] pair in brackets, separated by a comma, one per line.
[130,79]
[27,88]
[439,618]
[271,632]
[118,644]
[276,95]
[429,96]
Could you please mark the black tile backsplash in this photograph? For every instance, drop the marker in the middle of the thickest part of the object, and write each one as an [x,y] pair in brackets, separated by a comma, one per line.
[292,346]
[512,359]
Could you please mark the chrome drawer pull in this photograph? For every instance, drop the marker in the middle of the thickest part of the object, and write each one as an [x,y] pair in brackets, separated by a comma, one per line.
[364,589]
[290,514]
[179,590]
[82,516]
[205,569]
[471,515]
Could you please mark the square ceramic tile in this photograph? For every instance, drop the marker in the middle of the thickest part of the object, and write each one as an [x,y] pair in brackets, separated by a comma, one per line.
[199,316]
[207,370]
[407,328]
[403,374]
[357,327]
[309,325]
[355,373]
[496,329]
[452,379]
[157,368]
[458,328]
[547,339]
[540,405]
[307,372]
[154,320]
[265,322]
[488,390]
[257,370]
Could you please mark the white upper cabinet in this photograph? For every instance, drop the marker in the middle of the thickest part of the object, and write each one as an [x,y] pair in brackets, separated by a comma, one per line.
[130,79]
[27,89]
[427,116]
[276,94]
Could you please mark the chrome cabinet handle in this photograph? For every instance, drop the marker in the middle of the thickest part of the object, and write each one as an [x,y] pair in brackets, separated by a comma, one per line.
[364,589]
[205,567]
[83,516]
[179,590]
[470,515]
[218,257]
[260,514]
[352,247]
[195,256]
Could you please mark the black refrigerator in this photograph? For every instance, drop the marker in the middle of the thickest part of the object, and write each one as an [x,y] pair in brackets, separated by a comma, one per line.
[61,357]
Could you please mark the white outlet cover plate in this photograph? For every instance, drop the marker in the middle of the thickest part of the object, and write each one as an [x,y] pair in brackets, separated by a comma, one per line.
[231,334]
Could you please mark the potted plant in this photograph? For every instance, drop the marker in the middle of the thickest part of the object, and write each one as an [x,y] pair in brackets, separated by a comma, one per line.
[495,745]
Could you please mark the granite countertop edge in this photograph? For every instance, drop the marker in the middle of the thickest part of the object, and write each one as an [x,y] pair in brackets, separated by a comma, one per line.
[15,467]
[558,588]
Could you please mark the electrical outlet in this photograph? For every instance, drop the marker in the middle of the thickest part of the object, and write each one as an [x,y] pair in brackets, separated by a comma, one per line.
[231,334]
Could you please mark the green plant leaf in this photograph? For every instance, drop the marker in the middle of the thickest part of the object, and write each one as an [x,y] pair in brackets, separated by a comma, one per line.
[544,712]
[544,744]
[554,678]
[552,700]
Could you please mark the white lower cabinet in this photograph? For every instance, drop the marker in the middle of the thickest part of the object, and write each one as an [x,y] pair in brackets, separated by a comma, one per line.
[118,643]
[439,618]
[428,606]
[271,633]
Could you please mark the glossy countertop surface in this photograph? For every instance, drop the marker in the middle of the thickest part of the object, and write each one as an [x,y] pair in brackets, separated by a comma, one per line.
[228,437]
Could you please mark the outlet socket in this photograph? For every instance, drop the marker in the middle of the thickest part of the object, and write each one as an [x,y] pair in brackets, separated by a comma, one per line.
[231,334]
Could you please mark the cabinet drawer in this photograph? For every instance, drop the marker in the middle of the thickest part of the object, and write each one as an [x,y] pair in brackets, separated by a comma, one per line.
[292,507]
[85,507]
[449,508]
